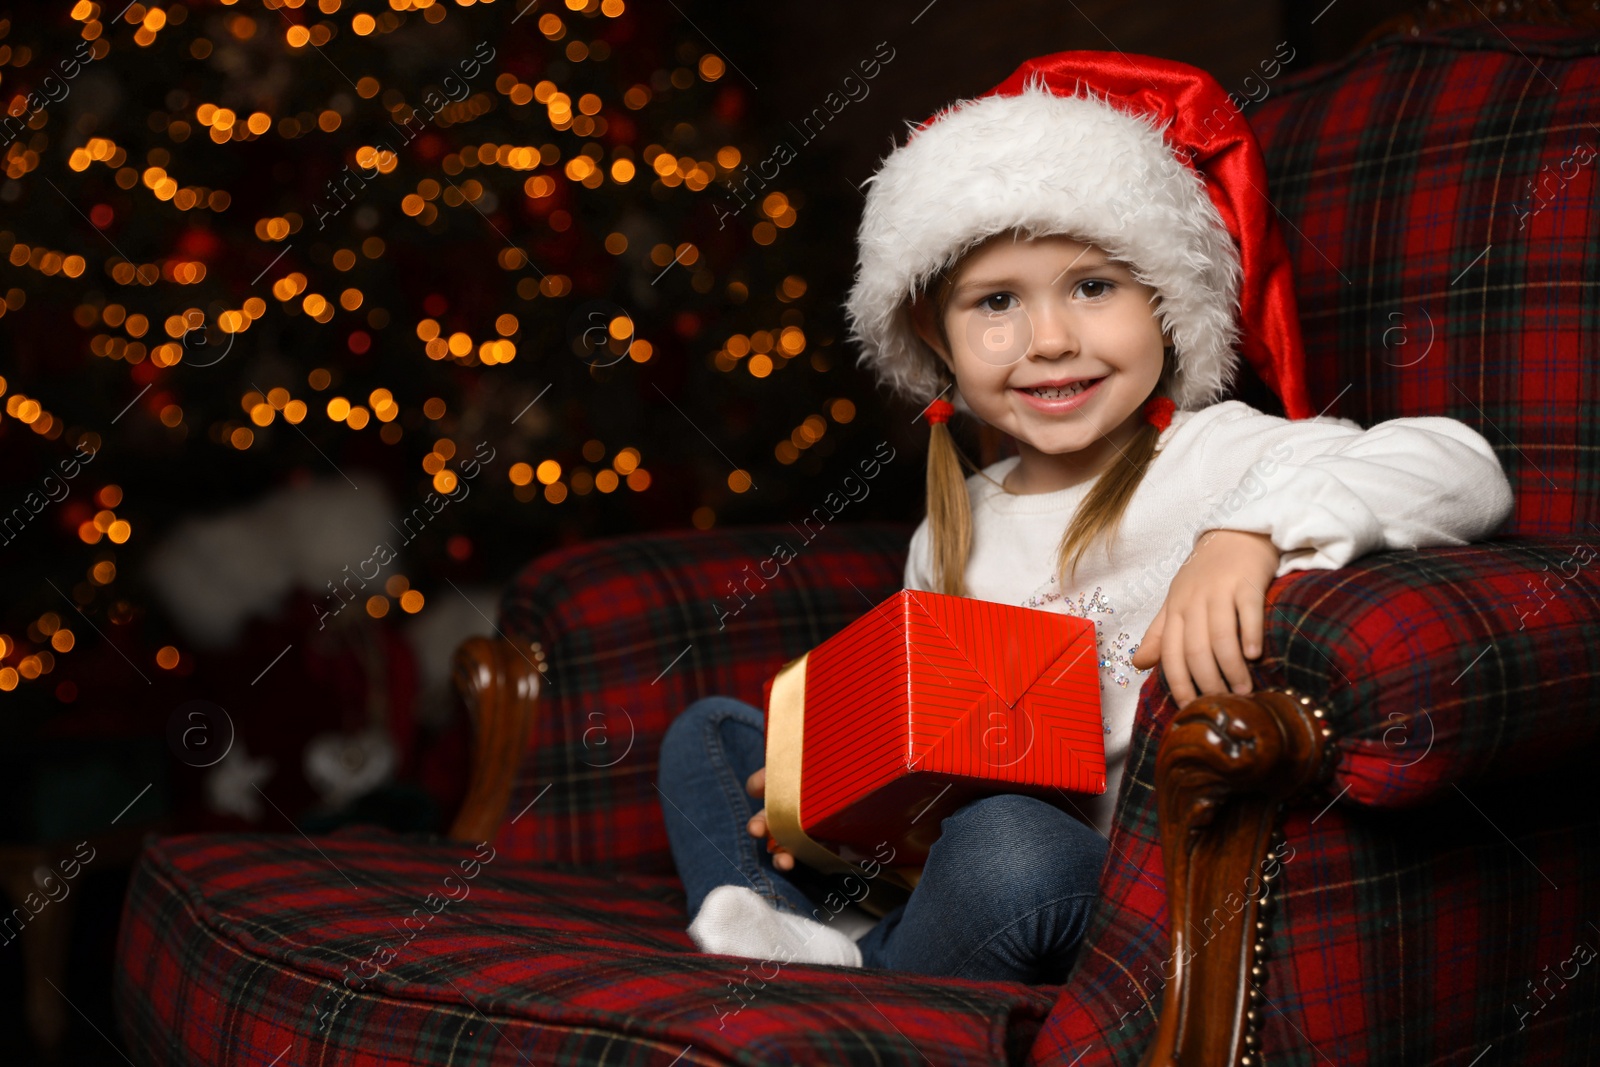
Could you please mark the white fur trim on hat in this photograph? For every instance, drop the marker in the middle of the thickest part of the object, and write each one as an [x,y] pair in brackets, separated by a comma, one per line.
[1045,164]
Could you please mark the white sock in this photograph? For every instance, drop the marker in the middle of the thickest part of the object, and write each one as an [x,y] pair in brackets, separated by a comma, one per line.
[735,920]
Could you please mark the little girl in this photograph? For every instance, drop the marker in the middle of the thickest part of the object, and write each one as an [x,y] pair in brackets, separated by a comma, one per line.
[1074,258]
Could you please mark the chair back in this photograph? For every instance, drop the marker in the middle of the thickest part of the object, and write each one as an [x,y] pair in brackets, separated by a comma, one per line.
[635,629]
[1440,195]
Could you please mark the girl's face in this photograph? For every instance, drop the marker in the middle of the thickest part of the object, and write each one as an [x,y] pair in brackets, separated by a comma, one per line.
[1053,343]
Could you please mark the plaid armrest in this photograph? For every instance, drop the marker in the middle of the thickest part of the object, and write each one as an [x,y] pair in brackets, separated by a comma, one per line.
[634,630]
[1444,666]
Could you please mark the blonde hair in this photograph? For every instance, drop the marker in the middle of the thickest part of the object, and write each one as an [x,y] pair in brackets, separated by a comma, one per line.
[950,510]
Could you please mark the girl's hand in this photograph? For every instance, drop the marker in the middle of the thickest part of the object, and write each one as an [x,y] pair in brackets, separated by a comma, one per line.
[782,858]
[1217,595]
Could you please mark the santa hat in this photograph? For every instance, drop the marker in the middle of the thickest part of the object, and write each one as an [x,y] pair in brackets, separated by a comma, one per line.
[1146,158]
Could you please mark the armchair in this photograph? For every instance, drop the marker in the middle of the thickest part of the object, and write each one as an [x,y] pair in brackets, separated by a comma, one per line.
[1389,853]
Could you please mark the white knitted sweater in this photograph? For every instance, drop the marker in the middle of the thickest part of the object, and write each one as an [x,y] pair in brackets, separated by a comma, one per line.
[1324,490]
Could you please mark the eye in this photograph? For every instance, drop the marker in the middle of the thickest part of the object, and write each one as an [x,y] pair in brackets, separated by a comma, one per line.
[1094,288]
[986,303]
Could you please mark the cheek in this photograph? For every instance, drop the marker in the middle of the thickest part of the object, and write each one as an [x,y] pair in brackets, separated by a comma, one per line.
[975,376]
[985,348]
[1142,344]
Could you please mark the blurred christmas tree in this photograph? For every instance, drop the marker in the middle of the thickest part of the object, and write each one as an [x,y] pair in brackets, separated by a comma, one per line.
[252,244]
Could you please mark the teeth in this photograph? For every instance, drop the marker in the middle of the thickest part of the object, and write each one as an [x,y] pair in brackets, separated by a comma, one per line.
[1060,392]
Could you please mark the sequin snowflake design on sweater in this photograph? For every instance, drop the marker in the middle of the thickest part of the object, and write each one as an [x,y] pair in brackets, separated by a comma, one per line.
[1116,658]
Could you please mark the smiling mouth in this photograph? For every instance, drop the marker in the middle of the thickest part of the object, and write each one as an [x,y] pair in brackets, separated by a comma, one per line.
[1060,392]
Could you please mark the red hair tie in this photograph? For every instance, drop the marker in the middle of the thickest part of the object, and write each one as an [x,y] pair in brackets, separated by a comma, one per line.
[939,411]
[1158,411]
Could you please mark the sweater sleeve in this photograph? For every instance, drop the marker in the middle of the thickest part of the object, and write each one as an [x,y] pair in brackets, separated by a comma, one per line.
[1328,492]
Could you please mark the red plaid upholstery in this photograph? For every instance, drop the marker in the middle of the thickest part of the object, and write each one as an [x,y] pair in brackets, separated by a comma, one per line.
[1437,921]
[636,630]
[1429,674]
[1396,938]
[1443,241]
[1419,936]
[368,948]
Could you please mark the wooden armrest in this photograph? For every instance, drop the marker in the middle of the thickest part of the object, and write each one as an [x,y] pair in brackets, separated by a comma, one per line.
[1225,768]
[500,684]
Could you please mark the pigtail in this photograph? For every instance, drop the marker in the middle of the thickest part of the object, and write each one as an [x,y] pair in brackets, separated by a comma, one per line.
[949,509]
[1100,514]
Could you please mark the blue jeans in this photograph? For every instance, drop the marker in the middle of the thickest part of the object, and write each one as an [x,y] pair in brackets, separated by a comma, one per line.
[1005,893]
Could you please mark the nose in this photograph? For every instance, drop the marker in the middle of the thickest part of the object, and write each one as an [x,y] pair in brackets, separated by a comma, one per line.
[1055,334]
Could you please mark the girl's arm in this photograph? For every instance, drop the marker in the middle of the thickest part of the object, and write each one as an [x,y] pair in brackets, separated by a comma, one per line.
[1327,493]
[1298,496]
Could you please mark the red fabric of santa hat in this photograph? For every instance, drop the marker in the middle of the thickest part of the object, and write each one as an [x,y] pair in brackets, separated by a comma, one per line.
[1146,158]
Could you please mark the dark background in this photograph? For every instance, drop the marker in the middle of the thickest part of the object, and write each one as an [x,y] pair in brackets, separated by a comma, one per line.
[103,724]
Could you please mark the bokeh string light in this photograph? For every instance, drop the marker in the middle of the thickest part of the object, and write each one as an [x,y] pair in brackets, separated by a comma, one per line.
[405,278]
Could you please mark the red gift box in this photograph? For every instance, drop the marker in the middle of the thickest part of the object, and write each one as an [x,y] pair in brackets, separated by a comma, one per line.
[923,704]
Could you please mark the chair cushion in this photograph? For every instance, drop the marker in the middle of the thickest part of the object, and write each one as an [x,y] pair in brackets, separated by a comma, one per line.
[369,947]
[1441,198]
[638,628]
